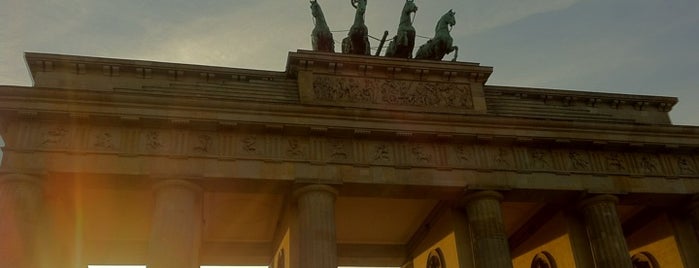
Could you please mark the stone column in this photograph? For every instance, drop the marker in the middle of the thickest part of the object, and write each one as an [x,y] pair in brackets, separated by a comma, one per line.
[176,230]
[607,240]
[694,214]
[316,226]
[21,202]
[489,240]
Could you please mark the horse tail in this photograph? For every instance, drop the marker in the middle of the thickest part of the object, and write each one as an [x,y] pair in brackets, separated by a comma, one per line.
[420,52]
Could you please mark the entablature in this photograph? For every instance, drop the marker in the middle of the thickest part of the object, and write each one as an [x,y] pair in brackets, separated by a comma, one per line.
[86,138]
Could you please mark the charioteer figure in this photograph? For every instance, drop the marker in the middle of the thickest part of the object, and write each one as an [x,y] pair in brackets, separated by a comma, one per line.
[357,40]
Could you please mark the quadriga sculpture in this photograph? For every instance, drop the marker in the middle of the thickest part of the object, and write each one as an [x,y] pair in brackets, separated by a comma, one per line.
[441,43]
[321,37]
[357,40]
[403,43]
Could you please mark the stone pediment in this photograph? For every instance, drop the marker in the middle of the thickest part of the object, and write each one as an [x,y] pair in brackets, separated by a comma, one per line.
[389,84]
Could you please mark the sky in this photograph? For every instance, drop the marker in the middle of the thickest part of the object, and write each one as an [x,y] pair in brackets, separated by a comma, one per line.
[648,47]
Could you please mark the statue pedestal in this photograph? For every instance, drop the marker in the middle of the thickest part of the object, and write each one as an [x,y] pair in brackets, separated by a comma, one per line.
[388,83]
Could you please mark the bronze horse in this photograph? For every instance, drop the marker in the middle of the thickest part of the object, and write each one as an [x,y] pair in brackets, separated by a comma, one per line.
[357,40]
[441,43]
[403,43]
[321,37]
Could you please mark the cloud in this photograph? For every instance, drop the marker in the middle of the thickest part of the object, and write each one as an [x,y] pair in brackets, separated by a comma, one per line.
[240,39]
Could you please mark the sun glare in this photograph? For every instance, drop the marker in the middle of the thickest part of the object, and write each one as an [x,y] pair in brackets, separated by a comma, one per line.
[143,266]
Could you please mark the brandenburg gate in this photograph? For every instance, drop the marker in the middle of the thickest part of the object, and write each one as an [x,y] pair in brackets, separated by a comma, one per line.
[346,160]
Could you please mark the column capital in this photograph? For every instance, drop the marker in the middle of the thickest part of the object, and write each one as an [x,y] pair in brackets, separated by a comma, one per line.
[176,183]
[485,194]
[316,188]
[602,198]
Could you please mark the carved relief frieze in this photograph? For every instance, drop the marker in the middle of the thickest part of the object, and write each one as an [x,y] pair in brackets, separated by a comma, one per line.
[202,143]
[462,155]
[366,92]
[338,150]
[295,147]
[421,154]
[614,162]
[539,158]
[577,160]
[362,150]
[380,152]
[649,164]
[54,137]
[500,157]
[685,165]
[104,139]
[155,141]
[251,144]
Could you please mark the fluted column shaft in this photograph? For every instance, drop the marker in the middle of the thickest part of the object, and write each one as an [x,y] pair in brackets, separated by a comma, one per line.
[21,199]
[176,230]
[316,223]
[604,230]
[488,236]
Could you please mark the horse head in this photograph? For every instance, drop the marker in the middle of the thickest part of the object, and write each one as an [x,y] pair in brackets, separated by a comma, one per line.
[446,22]
[409,7]
[449,18]
[357,3]
[315,8]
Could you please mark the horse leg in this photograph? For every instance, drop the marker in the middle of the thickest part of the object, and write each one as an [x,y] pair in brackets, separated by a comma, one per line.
[456,53]
[346,45]
[367,45]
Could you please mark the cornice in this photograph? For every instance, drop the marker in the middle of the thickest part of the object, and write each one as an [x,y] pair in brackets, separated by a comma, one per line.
[587,98]
[140,69]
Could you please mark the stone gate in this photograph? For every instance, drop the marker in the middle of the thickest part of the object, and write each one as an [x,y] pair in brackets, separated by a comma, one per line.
[339,160]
